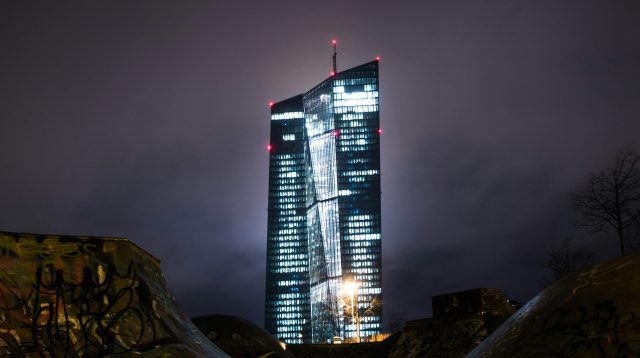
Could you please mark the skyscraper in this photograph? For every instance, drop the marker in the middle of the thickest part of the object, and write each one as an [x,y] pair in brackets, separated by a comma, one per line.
[324,211]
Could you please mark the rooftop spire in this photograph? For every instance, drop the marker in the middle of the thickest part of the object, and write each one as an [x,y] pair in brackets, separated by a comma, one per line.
[335,53]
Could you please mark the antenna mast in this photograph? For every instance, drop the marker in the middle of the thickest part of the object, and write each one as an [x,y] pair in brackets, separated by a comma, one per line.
[335,53]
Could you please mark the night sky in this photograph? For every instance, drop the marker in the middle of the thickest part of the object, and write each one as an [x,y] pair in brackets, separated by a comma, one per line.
[149,120]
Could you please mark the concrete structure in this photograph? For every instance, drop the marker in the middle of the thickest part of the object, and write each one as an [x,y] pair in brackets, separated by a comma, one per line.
[240,338]
[478,301]
[324,211]
[591,313]
[345,350]
[70,296]
[461,320]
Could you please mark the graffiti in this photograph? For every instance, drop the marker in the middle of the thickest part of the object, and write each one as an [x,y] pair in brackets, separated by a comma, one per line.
[48,248]
[598,275]
[87,297]
[104,311]
[107,318]
[591,313]
[596,329]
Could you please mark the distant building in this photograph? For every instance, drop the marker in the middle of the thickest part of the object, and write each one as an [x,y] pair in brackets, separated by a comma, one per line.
[482,301]
[324,210]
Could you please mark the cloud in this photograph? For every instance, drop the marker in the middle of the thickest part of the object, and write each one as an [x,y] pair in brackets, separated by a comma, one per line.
[150,122]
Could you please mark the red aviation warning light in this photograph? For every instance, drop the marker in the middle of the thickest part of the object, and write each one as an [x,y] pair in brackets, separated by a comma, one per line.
[269,147]
[333,42]
[336,133]
[379,130]
[332,73]
[377,58]
[271,104]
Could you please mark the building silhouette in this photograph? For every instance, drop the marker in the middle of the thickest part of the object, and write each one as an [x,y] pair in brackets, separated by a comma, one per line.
[324,211]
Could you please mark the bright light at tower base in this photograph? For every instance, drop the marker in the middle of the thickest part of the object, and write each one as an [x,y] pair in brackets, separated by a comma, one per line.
[350,288]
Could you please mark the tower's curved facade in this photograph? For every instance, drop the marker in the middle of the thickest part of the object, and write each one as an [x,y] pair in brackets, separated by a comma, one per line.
[324,211]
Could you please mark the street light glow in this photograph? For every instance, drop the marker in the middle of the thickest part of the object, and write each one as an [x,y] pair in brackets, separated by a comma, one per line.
[350,288]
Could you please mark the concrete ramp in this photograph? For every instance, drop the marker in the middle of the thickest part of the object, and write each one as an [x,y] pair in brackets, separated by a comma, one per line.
[68,296]
[591,313]
[239,337]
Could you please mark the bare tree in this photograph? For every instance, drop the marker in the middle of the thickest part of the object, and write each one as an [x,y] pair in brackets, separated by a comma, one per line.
[611,199]
[633,237]
[565,260]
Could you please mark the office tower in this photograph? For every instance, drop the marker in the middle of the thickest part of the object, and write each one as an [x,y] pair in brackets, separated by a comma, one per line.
[324,211]
[287,310]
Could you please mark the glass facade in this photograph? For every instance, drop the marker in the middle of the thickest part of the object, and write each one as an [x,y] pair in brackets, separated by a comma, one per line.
[287,294]
[324,196]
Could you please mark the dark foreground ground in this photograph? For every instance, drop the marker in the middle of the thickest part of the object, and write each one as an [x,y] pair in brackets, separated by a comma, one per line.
[69,296]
